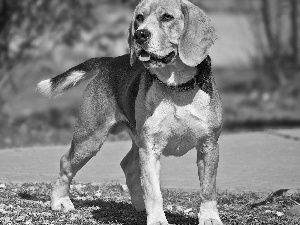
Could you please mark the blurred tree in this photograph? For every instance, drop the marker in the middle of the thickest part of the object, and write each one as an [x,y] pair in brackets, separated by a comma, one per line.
[295,37]
[277,27]
[272,9]
[27,25]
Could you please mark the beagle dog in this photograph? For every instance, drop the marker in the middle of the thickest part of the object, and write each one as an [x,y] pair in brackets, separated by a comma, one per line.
[162,93]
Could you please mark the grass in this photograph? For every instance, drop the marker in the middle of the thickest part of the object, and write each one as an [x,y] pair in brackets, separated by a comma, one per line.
[29,203]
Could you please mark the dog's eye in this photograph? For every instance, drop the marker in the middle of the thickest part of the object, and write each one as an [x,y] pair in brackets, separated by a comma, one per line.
[139,18]
[166,17]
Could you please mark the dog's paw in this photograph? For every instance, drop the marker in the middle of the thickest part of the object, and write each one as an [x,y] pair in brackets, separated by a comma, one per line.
[208,214]
[210,221]
[62,204]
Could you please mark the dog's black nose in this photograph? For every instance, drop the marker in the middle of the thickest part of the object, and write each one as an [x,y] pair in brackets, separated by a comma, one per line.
[141,36]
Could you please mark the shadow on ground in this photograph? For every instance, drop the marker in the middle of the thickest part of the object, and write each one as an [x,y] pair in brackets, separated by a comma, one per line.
[124,213]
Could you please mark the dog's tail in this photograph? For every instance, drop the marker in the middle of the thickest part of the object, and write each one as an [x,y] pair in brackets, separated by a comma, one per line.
[54,87]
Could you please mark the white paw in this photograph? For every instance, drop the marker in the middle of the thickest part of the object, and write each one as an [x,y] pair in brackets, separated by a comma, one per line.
[62,204]
[208,214]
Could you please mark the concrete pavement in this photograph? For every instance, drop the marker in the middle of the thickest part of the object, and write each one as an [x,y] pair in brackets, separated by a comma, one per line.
[256,161]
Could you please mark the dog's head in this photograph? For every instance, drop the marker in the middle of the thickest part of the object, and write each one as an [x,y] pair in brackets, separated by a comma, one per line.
[162,30]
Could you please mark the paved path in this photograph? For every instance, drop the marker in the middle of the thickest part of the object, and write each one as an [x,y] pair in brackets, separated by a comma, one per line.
[257,161]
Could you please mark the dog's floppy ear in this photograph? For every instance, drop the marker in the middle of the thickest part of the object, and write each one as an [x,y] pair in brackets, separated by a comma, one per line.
[197,37]
[131,31]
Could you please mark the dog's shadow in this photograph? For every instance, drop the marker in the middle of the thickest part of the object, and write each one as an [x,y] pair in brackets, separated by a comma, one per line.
[109,212]
[124,213]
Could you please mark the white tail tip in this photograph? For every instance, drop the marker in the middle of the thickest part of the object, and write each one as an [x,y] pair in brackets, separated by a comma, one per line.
[45,88]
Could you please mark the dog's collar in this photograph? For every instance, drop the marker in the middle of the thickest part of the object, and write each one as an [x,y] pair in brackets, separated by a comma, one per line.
[200,79]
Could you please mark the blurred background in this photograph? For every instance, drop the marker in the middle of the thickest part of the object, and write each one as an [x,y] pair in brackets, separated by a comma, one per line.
[256,61]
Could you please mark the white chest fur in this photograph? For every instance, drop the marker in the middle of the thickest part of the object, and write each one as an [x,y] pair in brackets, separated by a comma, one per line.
[175,121]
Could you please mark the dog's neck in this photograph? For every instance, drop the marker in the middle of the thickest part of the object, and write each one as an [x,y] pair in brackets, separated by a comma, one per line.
[174,74]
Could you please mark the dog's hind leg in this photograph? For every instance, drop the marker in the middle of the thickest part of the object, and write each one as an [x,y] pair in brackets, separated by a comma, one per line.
[93,125]
[70,163]
[131,167]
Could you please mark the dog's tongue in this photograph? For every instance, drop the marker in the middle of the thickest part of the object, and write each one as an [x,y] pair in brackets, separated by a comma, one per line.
[144,56]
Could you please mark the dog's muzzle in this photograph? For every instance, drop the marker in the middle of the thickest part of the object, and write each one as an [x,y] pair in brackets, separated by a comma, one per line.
[142,37]
[145,56]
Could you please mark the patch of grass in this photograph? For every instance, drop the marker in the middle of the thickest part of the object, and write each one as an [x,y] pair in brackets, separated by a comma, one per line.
[29,203]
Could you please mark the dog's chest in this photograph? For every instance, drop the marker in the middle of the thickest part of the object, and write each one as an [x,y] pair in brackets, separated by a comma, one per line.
[177,120]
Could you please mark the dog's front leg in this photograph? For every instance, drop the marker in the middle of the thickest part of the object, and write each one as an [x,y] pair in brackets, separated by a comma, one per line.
[150,172]
[207,161]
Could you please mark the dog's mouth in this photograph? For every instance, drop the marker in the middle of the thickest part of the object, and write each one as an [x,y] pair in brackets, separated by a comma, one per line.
[147,57]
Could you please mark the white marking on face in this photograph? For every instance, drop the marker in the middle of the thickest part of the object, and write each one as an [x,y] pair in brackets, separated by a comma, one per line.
[165,33]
